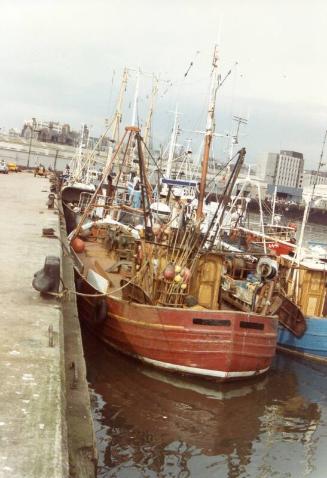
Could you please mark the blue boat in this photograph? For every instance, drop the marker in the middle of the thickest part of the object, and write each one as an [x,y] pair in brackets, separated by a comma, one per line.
[311,298]
[312,344]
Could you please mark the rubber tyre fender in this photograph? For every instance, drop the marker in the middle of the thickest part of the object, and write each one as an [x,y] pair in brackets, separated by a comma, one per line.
[78,284]
[100,311]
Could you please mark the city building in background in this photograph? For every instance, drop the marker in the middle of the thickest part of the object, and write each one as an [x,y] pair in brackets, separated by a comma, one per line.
[52,132]
[283,173]
[310,177]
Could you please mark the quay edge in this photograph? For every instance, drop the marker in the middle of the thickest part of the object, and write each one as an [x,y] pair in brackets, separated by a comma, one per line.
[46,427]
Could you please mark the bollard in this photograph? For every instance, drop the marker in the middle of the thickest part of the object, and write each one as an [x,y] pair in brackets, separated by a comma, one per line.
[48,278]
[50,201]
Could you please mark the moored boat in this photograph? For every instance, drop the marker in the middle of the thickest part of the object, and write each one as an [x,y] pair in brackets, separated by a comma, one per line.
[199,339]
[303,278]
[307,285]
[153,290]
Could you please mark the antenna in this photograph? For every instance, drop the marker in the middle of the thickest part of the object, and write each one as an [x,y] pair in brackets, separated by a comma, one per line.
[239,121]
[234,137]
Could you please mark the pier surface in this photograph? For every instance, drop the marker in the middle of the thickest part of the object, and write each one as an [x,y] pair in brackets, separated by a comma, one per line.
[45,421]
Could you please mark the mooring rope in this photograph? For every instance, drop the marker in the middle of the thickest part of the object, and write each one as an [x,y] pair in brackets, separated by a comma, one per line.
[66,291]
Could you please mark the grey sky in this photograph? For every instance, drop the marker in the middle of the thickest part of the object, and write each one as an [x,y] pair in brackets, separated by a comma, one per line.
[57,61]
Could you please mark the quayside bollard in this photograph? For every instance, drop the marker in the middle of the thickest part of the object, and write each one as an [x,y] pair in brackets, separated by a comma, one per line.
[48,278]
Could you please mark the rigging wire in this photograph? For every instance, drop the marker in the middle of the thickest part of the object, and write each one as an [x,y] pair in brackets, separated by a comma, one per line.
[222,169]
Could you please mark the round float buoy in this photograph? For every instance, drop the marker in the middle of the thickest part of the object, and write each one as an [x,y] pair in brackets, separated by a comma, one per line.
[169,272]
[186,274]
[178,278]
[78,245]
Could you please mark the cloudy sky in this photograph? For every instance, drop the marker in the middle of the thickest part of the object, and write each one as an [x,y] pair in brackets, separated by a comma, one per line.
[63,60]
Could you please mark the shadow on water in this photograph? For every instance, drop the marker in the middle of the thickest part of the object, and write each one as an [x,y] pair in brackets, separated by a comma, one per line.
[153,424]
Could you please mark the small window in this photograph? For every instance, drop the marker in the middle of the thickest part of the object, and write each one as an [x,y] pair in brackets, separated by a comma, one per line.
[215,322]
[251,325]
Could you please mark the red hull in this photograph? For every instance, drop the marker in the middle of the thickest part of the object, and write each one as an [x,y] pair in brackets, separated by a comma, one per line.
[225,345]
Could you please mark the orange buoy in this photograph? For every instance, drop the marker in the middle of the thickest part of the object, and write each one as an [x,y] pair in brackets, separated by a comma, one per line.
[78,245]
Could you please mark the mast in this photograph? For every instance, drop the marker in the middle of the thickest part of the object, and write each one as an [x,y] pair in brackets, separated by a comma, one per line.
[78,166]
[128,130]
[297,257]
[273,206]
[209,131]
[114,128]
[172,145]
[308,204]
[136,97]
[219,214]
[319,166]
[148,123]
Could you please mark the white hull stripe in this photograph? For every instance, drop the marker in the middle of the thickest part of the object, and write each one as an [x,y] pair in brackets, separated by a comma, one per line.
[191,370]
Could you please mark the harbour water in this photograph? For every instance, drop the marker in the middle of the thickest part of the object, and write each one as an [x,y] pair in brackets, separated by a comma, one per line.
[153,424]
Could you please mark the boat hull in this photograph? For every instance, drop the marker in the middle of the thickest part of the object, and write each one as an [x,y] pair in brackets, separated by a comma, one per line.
[224,345]
[71,194]
[312,344]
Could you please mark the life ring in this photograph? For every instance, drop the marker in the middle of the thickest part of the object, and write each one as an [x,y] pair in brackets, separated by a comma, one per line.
[100,311]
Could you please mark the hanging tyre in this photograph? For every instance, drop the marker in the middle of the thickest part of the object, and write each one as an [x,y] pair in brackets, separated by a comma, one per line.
[100,311]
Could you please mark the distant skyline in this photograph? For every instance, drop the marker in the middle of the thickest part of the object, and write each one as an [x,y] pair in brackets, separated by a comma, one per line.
[63,61]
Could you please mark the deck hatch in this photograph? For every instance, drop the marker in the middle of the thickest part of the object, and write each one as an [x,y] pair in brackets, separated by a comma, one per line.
[251,325]
[214,322]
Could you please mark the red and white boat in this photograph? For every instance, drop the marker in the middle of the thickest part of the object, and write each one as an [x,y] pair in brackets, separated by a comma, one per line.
[199,339]
[156,293]
[222,344]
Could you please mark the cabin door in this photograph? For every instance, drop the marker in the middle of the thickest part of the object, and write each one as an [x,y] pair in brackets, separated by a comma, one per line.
[207,277]
[313,293]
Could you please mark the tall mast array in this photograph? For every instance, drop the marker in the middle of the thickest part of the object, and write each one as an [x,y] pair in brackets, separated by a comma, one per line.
[209,131]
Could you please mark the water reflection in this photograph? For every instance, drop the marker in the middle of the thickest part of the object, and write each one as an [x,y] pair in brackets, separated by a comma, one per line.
[152,424]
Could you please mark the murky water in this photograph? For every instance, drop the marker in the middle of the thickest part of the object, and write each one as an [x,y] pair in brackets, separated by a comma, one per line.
[153,424]
[313,232]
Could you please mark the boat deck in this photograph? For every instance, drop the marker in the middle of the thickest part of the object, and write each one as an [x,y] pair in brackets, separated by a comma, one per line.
[97,258]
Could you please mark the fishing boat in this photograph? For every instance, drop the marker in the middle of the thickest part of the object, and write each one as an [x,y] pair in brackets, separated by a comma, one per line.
[153,291]
[136,300]
[83,175]
[303,278]
[305,282]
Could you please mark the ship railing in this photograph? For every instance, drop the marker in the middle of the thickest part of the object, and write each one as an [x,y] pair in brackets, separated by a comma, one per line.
[101,201]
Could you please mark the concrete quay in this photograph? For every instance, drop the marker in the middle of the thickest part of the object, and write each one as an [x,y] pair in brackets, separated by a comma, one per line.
[46,427]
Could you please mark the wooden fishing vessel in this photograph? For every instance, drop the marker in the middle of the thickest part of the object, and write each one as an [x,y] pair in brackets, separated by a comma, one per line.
[305,281]
[153,290]
[303,278]
[197,339]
